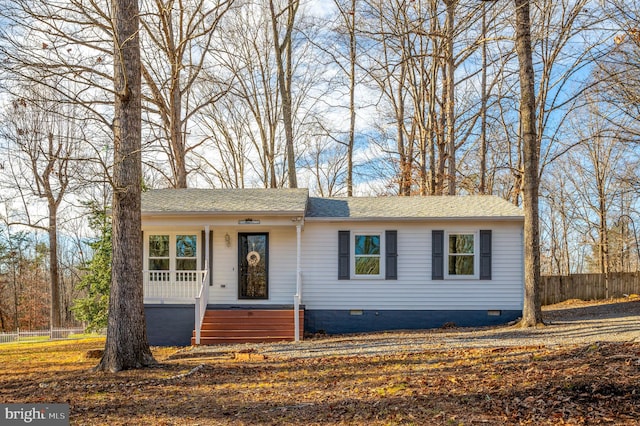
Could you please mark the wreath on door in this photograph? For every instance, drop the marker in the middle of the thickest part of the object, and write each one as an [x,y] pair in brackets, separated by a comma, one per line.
[253,258]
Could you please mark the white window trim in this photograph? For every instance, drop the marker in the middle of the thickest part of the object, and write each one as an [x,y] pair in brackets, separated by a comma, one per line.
[379,276]
[172,248]
[197,253]
[147,253]
[476,254]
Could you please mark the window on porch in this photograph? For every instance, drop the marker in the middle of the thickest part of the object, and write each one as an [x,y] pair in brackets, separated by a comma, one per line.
[159,258]
[172,262]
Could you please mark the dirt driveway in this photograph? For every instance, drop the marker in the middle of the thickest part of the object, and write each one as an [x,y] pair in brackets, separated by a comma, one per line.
[573,323]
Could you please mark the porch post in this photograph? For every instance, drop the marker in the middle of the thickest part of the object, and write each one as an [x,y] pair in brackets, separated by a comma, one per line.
[206,248]
[203,294]
[296,306]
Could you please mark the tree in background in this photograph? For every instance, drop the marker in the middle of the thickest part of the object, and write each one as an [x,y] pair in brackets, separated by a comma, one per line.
[24,288]
[389,63]
[43,140]
[618,72]
[176,39]
[283,50]
[92,309]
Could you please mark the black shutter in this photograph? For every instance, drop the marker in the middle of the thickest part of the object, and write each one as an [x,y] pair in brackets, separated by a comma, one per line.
[485,254]
[437,255]
[344,255]
[391,254]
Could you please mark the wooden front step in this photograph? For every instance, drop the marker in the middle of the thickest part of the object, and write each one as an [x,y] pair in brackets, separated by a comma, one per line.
[248,325]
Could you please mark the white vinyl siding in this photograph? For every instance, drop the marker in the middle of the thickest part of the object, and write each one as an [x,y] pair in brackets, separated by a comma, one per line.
[413,289]
[282,266]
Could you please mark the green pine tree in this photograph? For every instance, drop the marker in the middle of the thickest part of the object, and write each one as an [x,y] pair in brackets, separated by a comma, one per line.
[93,308]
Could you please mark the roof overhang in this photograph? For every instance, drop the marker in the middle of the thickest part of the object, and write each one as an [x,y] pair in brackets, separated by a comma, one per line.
[418,219]
[225,214]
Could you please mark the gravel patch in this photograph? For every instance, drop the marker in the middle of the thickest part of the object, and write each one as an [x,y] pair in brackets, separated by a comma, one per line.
[572,323]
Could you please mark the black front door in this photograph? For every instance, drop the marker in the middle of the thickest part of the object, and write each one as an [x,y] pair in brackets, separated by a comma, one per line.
[253,265]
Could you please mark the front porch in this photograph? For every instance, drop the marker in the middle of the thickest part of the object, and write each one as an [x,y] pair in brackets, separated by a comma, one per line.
[236,262]
[179,313]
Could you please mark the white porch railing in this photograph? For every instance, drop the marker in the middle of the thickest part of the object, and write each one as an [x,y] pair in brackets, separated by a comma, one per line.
[172,286]
[201,304]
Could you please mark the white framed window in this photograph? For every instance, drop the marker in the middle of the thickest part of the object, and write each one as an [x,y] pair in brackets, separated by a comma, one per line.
[171,251]
[461,254]
[186,252]
[367,255]
[159,253]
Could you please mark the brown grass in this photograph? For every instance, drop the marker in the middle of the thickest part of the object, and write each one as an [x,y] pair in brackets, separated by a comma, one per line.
[596,384]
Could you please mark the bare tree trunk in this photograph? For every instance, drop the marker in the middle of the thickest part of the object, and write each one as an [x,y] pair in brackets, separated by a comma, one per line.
[54,280]
[532,311]
[16,319]
[177,137]
[442,144]
[432,124]
[283,51]
[450,98]
[483,106]
[126,346]
[53,203]
[434,120]
[352,93]
[403,144]
[605,261]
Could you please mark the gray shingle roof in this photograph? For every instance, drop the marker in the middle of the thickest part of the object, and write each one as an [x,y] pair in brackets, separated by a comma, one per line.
[225,201]
[297,201]
[432,207]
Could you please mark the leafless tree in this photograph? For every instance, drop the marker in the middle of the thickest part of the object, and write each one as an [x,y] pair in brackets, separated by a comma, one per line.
[44,154]
[226,124]
[346,27]
[283,18]
[327,163]
[46,43]
[24,278]
[70,40]
[532,310]
[401,65]
[252,109]
[598,180]
[249,113]
[557,227]
[618,70]
[176,38]
[421,58]
[126,346]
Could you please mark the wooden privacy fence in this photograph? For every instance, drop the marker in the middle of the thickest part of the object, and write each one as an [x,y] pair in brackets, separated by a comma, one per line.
[558,288]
